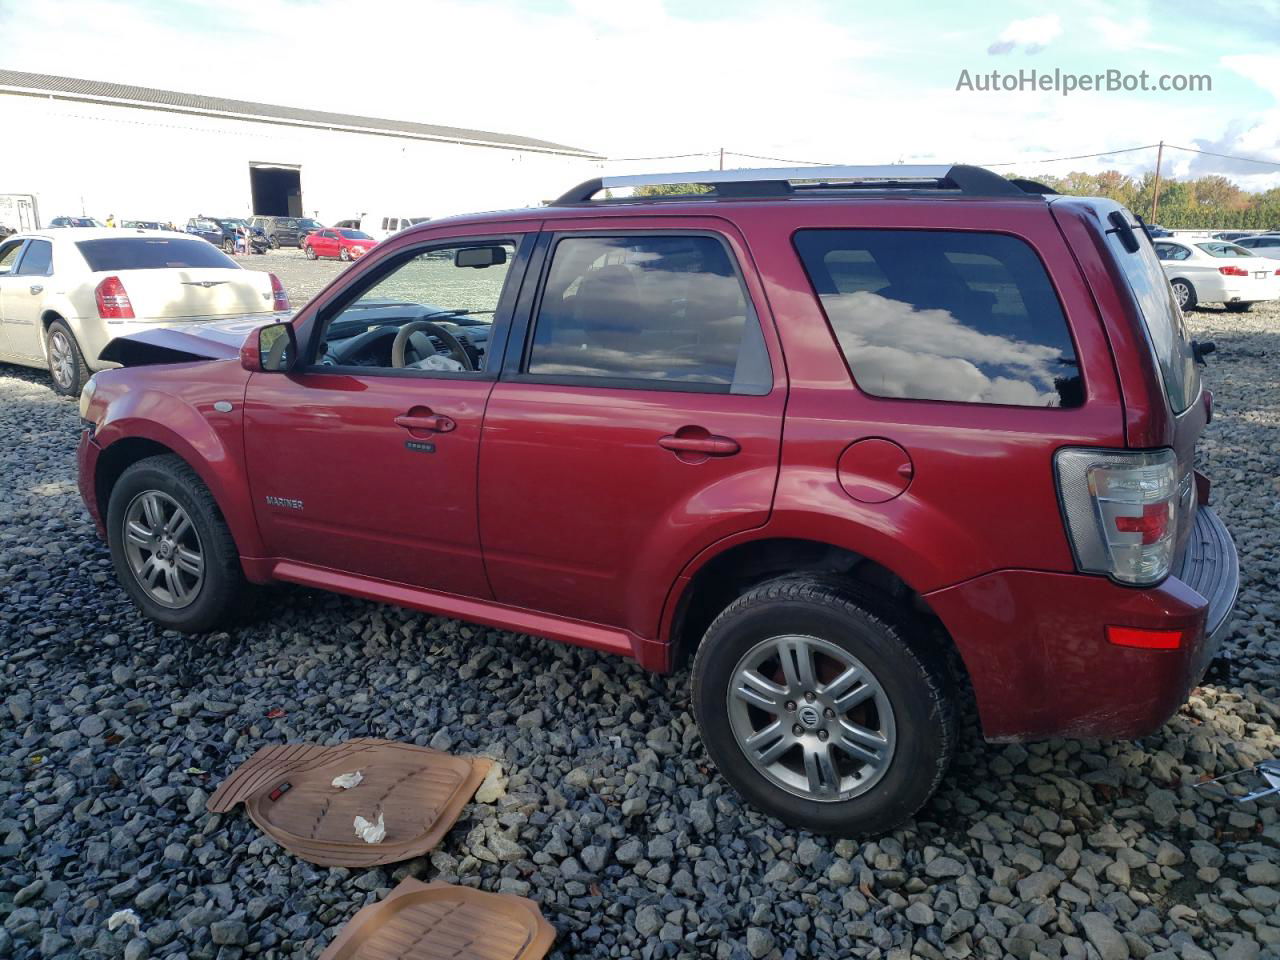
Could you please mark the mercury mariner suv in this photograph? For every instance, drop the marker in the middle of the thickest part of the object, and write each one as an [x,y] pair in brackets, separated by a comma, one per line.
[857,441]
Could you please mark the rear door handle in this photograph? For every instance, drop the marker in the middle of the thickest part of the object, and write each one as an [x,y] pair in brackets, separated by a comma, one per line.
[712,446]
[434,422]
[36,288]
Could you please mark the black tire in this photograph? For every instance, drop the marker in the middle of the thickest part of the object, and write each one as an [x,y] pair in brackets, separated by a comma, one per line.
[344,255]
[69,377]
[228,246]
[275,244]
[1187,300]
[1240,306]
[914,685]
[310,251]
[223,594]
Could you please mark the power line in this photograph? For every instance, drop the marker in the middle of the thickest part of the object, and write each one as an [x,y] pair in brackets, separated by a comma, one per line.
[668,156]
[1079,156]
[1224,156]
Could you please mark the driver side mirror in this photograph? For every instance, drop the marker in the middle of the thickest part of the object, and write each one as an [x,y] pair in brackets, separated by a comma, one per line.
[479,257]
[270,349]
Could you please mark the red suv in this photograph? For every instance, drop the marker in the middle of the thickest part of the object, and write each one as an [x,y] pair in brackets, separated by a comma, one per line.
[855,444]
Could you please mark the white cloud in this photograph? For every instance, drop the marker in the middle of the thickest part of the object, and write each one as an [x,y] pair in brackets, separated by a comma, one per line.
[1033,34]
[1125,36]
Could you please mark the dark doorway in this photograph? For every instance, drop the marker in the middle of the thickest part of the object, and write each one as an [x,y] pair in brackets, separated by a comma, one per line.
[277,191]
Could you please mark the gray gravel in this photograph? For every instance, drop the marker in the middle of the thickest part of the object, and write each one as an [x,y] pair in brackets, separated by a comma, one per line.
[113,734]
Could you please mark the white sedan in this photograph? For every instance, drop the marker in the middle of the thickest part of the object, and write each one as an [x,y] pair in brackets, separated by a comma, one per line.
[64,294]
[1215,271]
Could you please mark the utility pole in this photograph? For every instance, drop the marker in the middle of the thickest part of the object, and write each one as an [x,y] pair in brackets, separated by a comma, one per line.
[1155,195]
[722,158]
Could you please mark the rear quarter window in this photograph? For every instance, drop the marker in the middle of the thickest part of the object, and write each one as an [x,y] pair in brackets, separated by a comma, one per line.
[946,315]
[1166,328]
[151,253]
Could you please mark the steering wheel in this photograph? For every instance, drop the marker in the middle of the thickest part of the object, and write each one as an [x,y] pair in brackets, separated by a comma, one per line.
[451,342]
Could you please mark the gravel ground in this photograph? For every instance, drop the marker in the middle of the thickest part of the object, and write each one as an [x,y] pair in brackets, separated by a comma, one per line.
[112,736]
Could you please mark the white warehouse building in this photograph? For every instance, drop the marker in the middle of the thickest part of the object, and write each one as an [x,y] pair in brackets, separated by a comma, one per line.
[144,154]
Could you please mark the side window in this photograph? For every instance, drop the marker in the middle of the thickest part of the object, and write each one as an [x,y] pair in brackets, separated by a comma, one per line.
[432,312]
[9,256]
[944,315]
[38,260]
[656,310]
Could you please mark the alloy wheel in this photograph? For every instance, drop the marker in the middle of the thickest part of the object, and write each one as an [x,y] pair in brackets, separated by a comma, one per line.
[62,360]
[163,549]
[1181,292]
[811,718]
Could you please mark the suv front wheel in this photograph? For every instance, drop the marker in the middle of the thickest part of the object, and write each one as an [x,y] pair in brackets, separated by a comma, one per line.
[171,548]
[819,711]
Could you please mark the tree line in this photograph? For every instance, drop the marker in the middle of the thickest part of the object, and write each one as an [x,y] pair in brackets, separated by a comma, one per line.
[1206,203]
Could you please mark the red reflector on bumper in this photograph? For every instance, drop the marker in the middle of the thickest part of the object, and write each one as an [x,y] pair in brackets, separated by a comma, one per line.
[1144,639]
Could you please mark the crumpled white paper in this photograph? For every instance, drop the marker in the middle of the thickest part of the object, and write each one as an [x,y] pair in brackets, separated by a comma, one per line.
[346,781]
[121,917]
[371,832]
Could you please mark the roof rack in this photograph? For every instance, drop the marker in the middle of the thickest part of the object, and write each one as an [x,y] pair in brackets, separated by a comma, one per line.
[785,181]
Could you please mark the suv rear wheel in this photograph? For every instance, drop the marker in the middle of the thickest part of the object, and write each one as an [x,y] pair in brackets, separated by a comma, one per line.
[228,246]
[171,548]
[819,711]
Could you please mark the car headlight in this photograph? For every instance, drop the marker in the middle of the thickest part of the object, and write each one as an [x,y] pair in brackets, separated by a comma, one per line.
[86,398]
[357,249]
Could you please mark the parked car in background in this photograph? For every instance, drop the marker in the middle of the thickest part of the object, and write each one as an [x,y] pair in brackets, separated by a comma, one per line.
[1155,230]
[284,231]
[339,242]
[306,227]
[1266,244]
[972,479]
[143,224]
[380,227]
[1215,271]
[74,222]
[223,232]
[64,294]
[1232,235]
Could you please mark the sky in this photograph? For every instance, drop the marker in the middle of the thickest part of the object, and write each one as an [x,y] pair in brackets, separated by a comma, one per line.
[836,82]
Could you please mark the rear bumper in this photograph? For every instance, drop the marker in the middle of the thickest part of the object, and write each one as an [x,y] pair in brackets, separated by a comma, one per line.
[1035,643]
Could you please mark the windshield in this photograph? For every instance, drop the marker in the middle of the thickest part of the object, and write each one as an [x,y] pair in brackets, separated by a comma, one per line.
[151,253]
[355,235]
[1222,249]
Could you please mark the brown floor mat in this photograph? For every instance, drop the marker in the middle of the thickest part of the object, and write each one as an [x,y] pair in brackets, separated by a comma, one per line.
[288,792]
[434,921]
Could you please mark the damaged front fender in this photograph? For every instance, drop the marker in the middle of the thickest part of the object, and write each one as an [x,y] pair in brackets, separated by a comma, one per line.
[144,345]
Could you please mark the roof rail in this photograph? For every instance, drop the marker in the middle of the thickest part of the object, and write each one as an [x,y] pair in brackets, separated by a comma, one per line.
[780,181]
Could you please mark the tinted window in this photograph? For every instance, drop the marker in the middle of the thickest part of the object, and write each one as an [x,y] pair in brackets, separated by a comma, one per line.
[1165,325]
[355,235]
[9,255]
[37,260]
[151,253]
[649,309]
[944,315]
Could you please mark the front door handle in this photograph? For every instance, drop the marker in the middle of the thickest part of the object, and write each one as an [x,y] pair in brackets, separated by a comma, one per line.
[433,422]
[36,288]
[710,445]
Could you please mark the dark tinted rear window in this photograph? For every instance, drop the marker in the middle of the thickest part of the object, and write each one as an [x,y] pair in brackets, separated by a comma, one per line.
[151,253]
[944,315]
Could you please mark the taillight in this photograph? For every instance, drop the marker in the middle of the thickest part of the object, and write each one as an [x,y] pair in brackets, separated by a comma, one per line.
[1233,271]
[1121,510]
[113,301]
[279,298]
